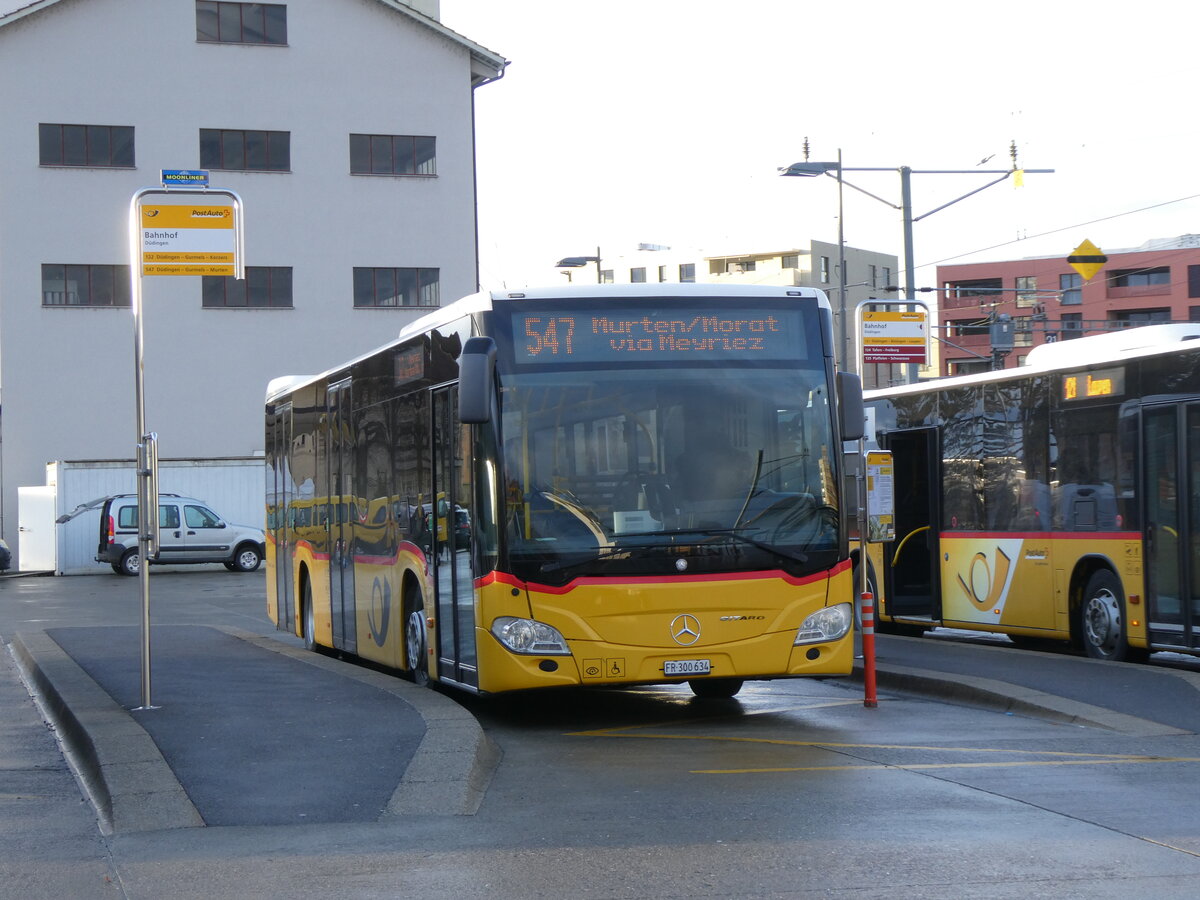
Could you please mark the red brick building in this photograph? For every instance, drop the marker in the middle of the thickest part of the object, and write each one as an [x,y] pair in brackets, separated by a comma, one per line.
[1045,299]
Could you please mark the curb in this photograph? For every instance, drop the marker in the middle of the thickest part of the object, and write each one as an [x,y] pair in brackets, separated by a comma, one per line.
[133,789]
[1006,697]
[121,769]
[453,766]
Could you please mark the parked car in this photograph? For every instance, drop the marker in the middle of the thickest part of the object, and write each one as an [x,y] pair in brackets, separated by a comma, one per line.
[189,532]
[5,556]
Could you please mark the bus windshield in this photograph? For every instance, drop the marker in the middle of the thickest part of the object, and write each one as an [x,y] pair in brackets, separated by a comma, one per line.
[617,472]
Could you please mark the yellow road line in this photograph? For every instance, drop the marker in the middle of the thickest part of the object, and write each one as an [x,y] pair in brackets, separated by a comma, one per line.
[628,732]
[1098,761]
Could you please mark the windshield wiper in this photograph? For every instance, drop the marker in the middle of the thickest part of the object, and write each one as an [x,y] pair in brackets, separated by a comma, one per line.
[605,553]
[623,552]
[737,535]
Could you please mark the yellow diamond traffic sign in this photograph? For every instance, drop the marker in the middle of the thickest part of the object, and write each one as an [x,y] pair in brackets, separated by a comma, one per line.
[1087,259]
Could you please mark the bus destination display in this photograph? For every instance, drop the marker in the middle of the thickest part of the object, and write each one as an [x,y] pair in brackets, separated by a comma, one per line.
[658,335]
[1100,383]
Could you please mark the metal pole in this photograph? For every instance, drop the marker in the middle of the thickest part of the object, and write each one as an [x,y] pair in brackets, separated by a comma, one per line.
[910,276]
[599,276]
[845,350]
[866,604]
[143,481]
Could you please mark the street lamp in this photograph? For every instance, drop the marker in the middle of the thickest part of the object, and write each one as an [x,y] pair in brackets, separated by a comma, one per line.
[576,262]
[808,170]
[905,205]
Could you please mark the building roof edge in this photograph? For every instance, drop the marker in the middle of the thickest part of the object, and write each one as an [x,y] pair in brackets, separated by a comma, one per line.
[489,59]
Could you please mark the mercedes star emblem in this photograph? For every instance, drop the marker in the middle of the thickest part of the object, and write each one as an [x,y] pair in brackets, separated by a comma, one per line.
[685,629]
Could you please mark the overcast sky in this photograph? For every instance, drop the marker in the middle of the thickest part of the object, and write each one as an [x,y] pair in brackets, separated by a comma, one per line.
[665,121]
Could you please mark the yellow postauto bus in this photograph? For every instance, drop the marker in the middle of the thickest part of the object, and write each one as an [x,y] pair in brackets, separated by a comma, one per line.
[1059,501]
[593,485]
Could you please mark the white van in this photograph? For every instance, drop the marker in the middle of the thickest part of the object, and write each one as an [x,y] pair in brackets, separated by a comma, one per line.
[189,532]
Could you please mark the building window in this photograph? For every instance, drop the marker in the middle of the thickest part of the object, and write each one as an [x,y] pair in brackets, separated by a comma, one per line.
[1027,290]
[263,286]
[606,276]
[409,287]
[246,151]
[662,273]
[969,366]
[1070,289]
[790,261]
[109,146]
[638,275]
[887,277]
[986,289]
[1022,331]
[1072,325]
[687,273]
[1194,313]
[969,327]
[824,269]
[241,23]
[68,285]
[392,154]
[1130,318]
[1140,277]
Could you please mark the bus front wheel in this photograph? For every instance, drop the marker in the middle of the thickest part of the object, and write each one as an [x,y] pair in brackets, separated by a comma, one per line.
[1102,619]
[715,688]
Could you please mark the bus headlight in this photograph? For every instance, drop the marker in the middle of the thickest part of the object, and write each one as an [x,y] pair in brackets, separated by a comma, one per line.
[826,624]
[529,636]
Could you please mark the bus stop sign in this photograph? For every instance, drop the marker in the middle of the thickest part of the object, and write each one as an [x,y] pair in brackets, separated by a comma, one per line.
[895,337]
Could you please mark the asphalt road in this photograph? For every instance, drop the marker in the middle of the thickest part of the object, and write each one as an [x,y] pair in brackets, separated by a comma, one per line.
[983,772]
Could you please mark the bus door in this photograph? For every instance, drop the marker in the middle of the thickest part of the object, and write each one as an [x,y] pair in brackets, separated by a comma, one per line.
[341,516]
[280,513]
[1171,450]
[911,576]
[453,580]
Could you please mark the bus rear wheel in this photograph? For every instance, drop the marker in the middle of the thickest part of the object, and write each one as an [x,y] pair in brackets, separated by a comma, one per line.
[416,637]
[306,617]
[1102,620]
[715,688]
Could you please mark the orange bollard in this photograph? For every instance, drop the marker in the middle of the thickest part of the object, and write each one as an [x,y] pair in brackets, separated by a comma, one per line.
[868,649]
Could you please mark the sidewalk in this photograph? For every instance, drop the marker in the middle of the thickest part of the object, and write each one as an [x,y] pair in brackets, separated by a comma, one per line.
[239,722]
[1129,698]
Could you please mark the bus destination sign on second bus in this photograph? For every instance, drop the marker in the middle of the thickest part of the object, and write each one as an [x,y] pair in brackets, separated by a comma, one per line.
[589,337]
[1098,383]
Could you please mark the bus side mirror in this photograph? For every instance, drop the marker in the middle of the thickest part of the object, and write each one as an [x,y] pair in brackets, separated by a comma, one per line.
[476,377]
[851,412]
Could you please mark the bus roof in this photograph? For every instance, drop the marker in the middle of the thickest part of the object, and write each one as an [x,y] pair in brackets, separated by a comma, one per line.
[1099,349]
[483,301]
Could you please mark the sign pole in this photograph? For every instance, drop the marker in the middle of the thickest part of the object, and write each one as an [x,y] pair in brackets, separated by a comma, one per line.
[904,335]
[147,492]
[164,252]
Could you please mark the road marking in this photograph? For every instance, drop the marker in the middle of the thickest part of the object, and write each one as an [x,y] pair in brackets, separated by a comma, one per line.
[916,767]
[1050,757]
